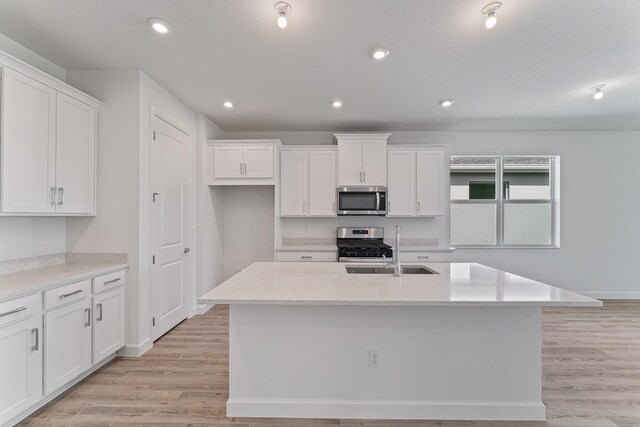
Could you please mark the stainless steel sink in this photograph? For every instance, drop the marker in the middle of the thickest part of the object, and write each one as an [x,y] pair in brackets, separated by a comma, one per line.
[406,269]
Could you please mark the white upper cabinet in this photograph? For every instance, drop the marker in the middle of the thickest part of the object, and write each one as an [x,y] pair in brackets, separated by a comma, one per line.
[28,144]
[75,156]
[242,162]
[401,196]
[294,179]
[322,183]
[416,181]
[430,182]
[308,182]
[362,159]
[48,144]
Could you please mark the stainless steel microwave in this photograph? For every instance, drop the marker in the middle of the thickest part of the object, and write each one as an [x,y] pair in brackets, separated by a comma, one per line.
[362,201]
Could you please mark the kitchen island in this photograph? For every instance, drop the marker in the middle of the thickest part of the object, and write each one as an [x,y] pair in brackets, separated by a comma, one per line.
[309,340]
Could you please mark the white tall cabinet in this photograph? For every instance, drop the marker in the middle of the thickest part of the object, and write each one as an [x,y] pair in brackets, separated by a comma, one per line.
[362,159]
[308,181]
[416,181]
[47,144]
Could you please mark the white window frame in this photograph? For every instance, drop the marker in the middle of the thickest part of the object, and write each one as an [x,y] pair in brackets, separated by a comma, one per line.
[553,201]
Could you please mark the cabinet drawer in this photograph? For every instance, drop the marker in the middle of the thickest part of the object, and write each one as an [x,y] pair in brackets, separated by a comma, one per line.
[307,256]
[108,281]
[66,294]
[425,257]
[18,308]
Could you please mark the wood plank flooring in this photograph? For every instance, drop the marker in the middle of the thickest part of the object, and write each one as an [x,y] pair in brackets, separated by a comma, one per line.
[591,368]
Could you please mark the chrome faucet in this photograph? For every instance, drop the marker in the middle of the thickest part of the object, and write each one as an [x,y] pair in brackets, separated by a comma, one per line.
[397,267]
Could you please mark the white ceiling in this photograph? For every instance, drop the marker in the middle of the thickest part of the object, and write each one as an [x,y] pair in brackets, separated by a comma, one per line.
[534,70]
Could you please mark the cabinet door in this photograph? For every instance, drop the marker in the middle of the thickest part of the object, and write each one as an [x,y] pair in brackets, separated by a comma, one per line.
[374,162]
[228,161]
[258,162]
[75,156]
[349,163]
[68,343]
[322,183]
[108,324]
[402,183]
[294,183]
[28,144]
[21,367]
[429,182]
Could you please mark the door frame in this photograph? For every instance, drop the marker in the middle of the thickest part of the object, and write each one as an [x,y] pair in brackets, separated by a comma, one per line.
[189,224]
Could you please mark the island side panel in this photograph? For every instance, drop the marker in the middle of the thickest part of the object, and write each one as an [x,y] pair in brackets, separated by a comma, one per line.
[312,361]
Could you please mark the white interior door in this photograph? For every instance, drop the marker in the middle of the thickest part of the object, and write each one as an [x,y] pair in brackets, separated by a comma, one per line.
[322,183]
[75,155]
[169,157]
[293,183]
[402,183]
[28,144]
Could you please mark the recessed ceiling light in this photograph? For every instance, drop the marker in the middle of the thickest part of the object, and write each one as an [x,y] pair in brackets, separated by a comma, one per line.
[490,11]
[446,103]
[159,25]
[337,104]
[282,9]
[228,104]
[380,53]
[598,93]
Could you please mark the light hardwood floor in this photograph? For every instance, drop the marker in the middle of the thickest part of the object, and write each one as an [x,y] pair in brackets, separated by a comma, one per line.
[591,368]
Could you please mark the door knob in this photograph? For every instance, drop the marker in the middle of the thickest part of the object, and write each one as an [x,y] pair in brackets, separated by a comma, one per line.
[187,250]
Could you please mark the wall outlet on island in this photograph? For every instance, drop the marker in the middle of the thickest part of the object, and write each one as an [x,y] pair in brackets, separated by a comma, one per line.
[374,358]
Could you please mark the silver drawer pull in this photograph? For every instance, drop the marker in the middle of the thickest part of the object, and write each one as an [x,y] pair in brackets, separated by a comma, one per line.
[423,257]
[36,346]
[17,310]
[108,282]
[70,294]
[306,257]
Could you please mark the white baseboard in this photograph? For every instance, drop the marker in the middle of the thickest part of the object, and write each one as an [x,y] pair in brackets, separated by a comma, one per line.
[203,308]
[612,295]
[381,410]
[136,350]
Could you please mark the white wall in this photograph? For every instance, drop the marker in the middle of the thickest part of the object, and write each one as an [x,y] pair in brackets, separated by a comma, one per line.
[24,237]
[600,231]
[209,214]
[249,226]
[115,228]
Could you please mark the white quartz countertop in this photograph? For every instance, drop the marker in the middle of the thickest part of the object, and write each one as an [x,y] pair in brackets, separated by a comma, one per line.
[327,283]
[13,285]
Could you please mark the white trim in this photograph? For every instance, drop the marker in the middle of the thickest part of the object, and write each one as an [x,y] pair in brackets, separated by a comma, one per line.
[309,148]
[612,295]
[136,350]
[275,142]
[24,414]
[375,409]
[358,136]
[203,308]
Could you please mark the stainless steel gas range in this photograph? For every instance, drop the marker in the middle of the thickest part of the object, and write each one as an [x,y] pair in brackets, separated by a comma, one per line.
[362,244]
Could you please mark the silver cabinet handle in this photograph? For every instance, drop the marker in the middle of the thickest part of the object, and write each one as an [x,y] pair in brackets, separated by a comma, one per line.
[334,207]
[108,282]
[36,346]
[364,177]
[306,257]
[240,168]
[304,207]
[17,310]
[245,169]
[61,193]
[423,257]
[361,177]
[70,294]
[99,307]
[389,205]
[418,206]
[88,322]
[53,195]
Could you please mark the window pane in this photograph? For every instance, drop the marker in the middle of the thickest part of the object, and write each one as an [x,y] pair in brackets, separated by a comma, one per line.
[526,178]
[473,178]
[527,223]
[473,224]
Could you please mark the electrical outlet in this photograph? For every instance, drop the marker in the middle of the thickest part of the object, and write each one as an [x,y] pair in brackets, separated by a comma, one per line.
[374,358]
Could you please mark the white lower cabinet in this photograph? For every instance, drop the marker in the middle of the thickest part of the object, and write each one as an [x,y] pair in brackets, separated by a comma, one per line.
[67,343]
[308,256]
[21,359]
[108,324]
